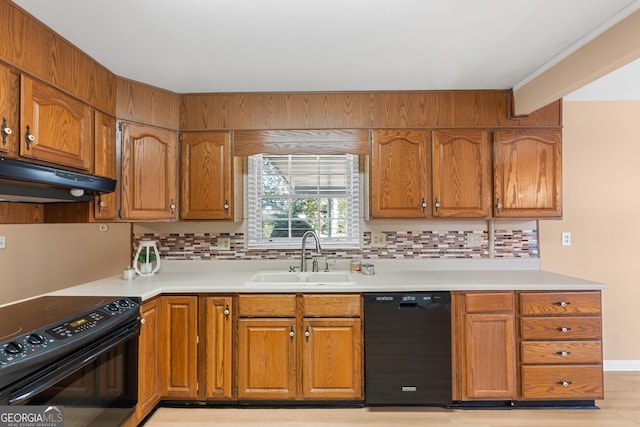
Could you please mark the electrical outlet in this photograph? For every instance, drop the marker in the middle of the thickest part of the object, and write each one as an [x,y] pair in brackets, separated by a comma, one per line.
[378,240]
[224,244]
[566,238]
[474,240]
[3,242]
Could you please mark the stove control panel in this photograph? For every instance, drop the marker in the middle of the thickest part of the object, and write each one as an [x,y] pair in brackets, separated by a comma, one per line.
[54,338]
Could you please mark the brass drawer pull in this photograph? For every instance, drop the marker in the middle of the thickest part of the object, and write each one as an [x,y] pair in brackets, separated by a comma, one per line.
[562,303]
[563,329]
[564,383]
[563,353]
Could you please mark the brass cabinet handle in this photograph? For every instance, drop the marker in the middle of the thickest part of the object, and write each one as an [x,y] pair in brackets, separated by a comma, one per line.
[29,138]
[172,205]
[498,206]
[424,204]
[6,131]
[564,383]
[563,353]
[226,205]
[562,303]
[307,333]
[227,311]
[437,205]
[291,333]
[563,329]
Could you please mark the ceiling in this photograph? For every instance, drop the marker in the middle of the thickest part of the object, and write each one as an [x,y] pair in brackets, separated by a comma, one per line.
[192,46]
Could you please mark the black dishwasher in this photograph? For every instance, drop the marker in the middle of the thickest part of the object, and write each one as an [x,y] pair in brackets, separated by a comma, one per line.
[407,347]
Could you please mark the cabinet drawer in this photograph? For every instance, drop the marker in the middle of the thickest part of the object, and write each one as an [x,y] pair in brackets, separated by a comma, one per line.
[562,382]
[267,305]
[560,352]
[338,305]
[560,328]
[489,302]
[559,303]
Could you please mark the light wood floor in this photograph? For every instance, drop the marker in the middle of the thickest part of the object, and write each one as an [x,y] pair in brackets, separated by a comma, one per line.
[621,408]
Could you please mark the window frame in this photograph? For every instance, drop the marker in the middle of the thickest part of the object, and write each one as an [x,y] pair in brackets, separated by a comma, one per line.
[255,212]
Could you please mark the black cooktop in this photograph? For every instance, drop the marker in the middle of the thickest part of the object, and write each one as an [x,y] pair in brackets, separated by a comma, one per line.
[24,317]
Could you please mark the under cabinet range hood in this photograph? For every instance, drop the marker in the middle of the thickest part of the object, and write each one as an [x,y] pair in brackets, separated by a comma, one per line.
[27,182]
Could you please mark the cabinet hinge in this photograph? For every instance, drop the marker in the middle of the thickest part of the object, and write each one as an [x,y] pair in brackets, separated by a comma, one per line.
[119,213]
[120,126]
[370,135]
[197,339]
[179,136]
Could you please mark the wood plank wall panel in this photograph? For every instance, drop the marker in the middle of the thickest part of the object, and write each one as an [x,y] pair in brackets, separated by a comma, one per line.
[141,103]
[356,110]
[32,47]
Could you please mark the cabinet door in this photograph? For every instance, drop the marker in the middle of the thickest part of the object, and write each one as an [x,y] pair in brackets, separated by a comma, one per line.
[9,111]
[148,364]
[179,346]
[528,173]
[55,127]
[460,174]
[489,356]
[105,164]
[149,166]
[266,359]
[206,171]
[399,174]
[218,356]
[332,359]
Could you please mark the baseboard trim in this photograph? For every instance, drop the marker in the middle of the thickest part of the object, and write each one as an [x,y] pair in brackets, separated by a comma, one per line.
[621,365]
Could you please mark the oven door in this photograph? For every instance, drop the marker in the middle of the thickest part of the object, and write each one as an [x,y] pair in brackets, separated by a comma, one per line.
[96,385]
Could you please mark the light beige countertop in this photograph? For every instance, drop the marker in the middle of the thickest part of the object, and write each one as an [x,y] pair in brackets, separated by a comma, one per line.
[185,277]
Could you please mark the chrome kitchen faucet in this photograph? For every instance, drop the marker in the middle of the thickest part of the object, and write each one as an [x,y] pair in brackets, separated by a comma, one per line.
[303,255]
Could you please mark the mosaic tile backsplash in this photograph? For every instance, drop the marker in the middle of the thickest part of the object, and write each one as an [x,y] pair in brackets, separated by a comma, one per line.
[400,245]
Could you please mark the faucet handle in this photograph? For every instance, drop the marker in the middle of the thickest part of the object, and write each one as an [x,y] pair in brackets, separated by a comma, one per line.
[315,264]
[292,268]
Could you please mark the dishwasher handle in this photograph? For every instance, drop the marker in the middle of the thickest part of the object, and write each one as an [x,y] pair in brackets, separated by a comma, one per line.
[408,305]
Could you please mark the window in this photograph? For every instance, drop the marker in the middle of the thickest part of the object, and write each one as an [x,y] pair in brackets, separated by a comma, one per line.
[290,194]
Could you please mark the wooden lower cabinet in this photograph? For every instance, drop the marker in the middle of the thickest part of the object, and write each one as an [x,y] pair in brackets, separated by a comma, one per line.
[484,346]
[148,360]
[332,359]
[179,346]
[216,315]
[266,359]
[283,355]
[560,345]
[558,340]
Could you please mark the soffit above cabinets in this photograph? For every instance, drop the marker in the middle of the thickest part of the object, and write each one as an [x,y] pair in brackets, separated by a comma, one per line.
[195,46]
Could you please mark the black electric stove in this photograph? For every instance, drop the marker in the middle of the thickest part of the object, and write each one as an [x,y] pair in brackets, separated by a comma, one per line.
[37,332]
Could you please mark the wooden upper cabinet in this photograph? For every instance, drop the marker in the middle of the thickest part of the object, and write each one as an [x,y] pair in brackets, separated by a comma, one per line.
[399,174]
[54,127]
[9,111]
[206,176]
[460,174]
[149,173]
[105,164]
[528,173]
